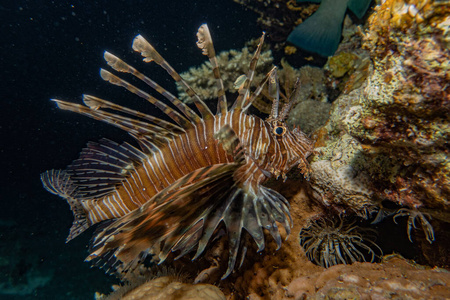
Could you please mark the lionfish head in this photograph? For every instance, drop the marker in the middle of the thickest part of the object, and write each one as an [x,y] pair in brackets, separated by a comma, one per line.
[292,145]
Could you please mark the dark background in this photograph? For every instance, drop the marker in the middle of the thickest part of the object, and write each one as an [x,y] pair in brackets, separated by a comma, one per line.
[53,49]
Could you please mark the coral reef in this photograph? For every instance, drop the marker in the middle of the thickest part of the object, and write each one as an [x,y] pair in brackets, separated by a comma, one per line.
[232,64]
[405,106]
[386,140]
[330,242]
[310,106]
[309,115]
[394,278]
[167,288]
[398,119]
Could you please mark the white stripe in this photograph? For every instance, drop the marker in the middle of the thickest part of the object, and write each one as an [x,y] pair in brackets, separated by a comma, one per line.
[90,212]
[111,207]
[160,169]
[148,173]
[120,204]
[101,213]
[169,145]
[138,204]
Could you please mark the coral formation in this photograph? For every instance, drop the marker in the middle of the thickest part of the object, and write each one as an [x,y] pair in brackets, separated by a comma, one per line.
[336,178]
[167,288]
[398,120]
[394,278]
[232,64]
[330,242]
[386,139]
[406,104]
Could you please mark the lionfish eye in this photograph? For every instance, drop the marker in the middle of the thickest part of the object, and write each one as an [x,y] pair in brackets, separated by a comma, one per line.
[279,130]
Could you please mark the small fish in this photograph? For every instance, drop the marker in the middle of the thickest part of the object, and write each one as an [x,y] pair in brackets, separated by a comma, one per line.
[189,178]
[321,32]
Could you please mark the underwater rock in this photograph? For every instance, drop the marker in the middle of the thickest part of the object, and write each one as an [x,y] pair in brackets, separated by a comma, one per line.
[309,115]
[399,118]
[167,288]
[394,278]
[406,104]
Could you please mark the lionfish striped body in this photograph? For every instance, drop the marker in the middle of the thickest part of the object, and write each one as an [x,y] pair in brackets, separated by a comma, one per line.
[188,176]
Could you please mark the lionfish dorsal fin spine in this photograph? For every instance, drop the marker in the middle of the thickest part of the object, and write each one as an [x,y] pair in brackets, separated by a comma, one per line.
[244,92]
[258,90]
[150,54]
[231,143]
[287,106]
[173,114]
[121,66]
[96,103]
[274,94]
[130,125]
[205,43]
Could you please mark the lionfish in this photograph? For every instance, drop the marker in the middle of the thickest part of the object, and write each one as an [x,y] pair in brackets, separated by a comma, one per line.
[189,176]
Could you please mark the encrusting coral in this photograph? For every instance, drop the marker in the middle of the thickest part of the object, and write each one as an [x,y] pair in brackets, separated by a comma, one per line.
[166,288]
[406,104]
[394,278]
[399,118]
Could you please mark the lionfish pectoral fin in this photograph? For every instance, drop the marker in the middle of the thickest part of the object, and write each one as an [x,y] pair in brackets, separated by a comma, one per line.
[58,182]
[251,210]
[176,217]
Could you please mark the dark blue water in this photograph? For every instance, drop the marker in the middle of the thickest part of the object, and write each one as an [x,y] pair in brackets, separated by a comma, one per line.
[53,49]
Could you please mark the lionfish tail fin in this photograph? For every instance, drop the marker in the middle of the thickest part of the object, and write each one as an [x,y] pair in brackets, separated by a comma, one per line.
[58,182]
[205,43]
